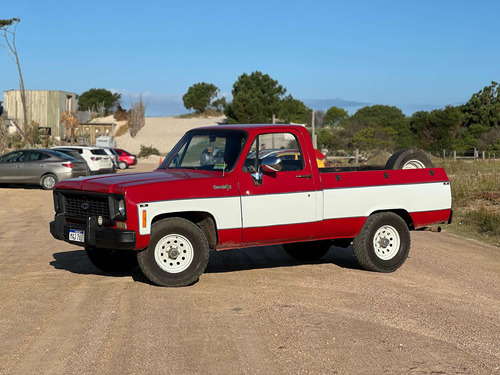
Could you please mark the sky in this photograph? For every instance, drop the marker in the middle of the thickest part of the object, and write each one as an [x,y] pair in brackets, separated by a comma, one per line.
[416,55]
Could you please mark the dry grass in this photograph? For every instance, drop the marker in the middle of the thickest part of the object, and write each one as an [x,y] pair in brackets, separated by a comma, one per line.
[476,199]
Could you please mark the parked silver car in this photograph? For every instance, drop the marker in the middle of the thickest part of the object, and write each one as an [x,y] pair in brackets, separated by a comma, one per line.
[39,166]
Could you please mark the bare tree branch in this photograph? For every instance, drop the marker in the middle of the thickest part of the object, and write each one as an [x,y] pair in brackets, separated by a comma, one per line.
[11,48]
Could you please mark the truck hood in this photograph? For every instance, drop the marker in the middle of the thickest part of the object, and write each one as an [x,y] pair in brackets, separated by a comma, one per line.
[116,183]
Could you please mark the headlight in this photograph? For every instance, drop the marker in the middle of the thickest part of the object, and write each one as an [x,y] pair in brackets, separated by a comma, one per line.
[117,207]
[121,207]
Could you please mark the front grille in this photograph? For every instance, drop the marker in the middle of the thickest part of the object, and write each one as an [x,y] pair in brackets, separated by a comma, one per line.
[83,206]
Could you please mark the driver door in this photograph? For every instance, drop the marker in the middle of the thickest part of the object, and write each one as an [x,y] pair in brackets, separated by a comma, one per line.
[285,206]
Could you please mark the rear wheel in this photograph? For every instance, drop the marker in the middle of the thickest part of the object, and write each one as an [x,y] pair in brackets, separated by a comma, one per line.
[122,165]
[177,253]
[110,260]
[409,158]
[307,251]
[48,181]
[383,244]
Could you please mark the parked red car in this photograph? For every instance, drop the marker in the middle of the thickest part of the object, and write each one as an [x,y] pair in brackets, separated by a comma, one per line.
[126,159]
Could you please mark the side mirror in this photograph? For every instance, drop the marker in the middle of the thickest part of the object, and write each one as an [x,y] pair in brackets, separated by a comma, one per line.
[269,164]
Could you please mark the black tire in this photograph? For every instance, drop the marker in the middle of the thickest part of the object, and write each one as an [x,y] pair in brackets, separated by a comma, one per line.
[307,251]
[122,165]
[383,244]
[48,181]
[177,253]
[409,158]
[109,260]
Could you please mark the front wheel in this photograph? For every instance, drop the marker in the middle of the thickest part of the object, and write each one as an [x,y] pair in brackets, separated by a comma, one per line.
[110,260]
[383,244]
[307,251]
[177,253]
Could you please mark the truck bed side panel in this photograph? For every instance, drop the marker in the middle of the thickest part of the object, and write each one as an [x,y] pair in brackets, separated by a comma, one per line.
[350,197]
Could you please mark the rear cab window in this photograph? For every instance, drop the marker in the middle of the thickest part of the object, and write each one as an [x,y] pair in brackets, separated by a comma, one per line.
[281,145]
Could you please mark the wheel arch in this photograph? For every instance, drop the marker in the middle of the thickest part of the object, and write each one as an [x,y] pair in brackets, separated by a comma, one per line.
[202,219]
[401,213]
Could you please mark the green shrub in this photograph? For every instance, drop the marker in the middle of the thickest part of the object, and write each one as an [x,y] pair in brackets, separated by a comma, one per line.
[148,151]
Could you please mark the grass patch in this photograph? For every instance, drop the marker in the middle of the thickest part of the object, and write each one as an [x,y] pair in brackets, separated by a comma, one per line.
[122,130]
[207,113]
[475,188]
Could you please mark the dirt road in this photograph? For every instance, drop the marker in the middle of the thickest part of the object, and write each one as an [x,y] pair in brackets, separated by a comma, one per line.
[254,311]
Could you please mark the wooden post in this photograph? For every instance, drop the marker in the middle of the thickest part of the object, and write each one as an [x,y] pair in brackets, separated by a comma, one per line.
[454,156]
[356,160]
[314,139]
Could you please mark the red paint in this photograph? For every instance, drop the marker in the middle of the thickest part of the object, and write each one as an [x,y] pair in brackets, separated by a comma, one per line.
[424,219]
[127,157]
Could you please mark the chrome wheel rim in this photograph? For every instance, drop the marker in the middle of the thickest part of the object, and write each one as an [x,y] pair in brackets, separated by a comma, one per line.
[386,242]
[49,182]
[174,253]
[413,164]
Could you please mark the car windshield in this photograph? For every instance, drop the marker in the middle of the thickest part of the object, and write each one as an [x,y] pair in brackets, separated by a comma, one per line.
[207,150]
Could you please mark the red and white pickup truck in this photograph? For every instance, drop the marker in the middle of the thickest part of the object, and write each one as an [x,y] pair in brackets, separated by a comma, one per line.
[227,187]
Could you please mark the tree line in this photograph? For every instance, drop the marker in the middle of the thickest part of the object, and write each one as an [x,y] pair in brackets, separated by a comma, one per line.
[257,98]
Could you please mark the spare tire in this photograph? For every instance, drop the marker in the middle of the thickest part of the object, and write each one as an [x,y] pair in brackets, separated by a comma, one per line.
[409,158]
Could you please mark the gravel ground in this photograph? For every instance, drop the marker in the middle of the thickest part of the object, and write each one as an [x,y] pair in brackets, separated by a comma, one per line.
[254,311]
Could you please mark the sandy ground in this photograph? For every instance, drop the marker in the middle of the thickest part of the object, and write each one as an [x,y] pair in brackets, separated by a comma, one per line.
[159,132]
[254,311]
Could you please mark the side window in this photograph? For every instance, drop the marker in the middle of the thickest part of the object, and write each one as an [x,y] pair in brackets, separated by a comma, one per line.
[15,157]
[282,145]
[37,156]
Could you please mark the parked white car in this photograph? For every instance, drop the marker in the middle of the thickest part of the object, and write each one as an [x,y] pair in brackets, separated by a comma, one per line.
[97,158]
[113,155]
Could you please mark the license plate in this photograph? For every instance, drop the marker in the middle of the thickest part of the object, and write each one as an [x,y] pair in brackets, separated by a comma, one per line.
[77,235]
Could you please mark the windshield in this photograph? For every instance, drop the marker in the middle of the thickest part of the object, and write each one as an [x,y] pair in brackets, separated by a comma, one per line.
[207,150]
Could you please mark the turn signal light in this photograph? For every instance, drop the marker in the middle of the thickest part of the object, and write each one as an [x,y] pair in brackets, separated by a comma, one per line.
[144,218]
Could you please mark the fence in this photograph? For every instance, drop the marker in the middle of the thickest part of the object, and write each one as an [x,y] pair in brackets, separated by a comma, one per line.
[469,155]
[357,156]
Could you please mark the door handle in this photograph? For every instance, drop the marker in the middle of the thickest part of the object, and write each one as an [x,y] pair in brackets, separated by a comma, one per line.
[304,176]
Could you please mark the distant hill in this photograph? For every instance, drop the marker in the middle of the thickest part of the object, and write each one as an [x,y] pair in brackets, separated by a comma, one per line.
[172,105]
[324,104]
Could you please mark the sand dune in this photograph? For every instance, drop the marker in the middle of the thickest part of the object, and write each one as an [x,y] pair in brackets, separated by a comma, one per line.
[159,132]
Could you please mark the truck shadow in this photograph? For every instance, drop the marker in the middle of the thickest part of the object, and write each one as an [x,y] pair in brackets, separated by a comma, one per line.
[273,257]
[76,261]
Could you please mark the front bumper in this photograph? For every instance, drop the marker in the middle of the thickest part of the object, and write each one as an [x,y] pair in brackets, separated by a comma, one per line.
[95,235]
